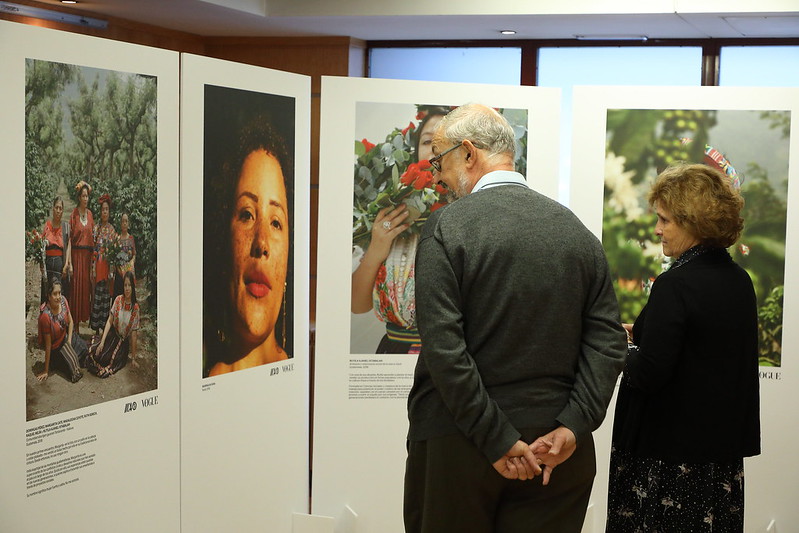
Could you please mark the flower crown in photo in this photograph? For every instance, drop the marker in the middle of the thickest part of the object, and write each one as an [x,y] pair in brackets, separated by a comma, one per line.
[80,185]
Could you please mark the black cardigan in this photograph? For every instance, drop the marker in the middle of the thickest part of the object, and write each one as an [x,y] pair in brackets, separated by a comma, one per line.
[691,391]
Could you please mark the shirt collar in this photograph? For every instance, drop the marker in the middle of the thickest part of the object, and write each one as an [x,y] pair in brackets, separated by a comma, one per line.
[499,177]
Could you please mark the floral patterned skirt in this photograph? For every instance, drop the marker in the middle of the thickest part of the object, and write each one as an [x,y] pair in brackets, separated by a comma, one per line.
[649,495]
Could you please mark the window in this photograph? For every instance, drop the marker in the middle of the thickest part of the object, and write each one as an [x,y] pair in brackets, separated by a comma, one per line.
[761,66]
[629,65]
[471,65]
[567,66]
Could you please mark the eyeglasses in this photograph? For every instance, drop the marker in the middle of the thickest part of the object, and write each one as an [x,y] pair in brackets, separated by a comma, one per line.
[435,161]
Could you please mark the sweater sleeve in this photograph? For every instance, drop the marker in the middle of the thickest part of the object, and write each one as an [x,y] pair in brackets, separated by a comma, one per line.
[603,349]
[452,368]
[660,338]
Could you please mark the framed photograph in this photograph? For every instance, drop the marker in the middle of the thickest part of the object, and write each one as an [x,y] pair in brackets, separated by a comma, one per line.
[90,159]
[91,224]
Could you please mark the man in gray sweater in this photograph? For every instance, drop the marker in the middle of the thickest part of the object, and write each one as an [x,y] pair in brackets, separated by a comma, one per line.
[521,346]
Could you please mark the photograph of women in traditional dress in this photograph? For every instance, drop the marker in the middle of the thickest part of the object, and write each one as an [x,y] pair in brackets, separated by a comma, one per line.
[248,198]
[117,343]
[395,191]
[751,148]
[90,185]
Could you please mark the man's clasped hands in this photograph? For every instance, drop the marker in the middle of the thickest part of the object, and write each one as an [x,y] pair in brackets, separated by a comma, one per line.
[525,461]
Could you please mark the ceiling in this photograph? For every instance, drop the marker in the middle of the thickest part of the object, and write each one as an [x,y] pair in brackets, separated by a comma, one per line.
[306,18]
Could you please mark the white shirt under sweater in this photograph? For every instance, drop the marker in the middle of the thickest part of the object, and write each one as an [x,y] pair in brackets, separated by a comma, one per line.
[498,178]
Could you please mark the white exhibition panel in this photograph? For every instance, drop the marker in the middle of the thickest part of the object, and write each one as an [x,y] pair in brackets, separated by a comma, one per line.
[130,481]
[359,443]
[771,478]
[244,435]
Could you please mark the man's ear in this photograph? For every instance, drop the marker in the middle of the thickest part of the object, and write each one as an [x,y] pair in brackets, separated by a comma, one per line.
[471,150]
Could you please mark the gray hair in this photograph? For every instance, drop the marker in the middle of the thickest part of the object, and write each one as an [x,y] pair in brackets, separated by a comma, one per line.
[483,126]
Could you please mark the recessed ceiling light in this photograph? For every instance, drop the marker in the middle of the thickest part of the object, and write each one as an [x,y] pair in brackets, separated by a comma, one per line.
[69,1]
[508,32]
[604,37]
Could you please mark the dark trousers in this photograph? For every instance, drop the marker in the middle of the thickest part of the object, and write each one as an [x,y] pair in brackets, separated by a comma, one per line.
[450,486]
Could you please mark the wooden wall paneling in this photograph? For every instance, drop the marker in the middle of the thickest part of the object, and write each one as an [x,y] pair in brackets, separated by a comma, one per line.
[315,114]
[313,56]
[117,30]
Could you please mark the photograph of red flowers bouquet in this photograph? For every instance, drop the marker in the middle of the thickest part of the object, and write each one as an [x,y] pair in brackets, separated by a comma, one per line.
[389,172]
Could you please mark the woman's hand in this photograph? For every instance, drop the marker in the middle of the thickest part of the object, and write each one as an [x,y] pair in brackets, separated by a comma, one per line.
[42,376]
[363,279]
[100,345]
[629,329]
[389,223]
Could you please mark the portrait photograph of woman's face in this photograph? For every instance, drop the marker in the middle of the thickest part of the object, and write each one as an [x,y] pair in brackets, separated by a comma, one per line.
[259,247]
[247,230]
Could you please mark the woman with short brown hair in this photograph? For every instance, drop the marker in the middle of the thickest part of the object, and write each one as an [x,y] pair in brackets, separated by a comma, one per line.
[688,405]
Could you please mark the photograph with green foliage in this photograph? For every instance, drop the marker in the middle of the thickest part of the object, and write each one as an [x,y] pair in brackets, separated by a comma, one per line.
[96,126]
[392,174]
[388,171]
[751,147]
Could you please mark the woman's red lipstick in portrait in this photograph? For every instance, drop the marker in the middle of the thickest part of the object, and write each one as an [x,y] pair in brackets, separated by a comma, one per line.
[257,284]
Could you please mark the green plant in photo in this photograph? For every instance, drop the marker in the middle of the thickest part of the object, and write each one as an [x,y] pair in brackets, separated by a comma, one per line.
[99,126]
[640,143]
[769,317]
[386,176]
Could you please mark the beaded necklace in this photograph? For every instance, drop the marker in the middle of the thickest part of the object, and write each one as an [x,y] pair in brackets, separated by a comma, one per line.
[689,254]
